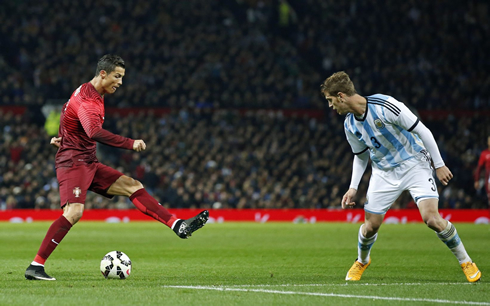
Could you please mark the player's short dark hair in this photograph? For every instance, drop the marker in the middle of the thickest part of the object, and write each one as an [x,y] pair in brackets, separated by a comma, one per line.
[109,62]
[338,82]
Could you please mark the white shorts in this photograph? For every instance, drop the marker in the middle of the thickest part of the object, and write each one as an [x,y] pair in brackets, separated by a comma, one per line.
[414,175]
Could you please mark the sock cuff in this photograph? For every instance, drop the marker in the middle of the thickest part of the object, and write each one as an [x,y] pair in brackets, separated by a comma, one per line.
[137,193]
[175,223]
[38,261]
[370,240]
[65,222]
[363,239]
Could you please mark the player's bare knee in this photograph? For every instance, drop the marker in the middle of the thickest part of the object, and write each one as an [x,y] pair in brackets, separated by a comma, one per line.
[370,229]
[73,215]
[132,186]
[76,217]
[137,184]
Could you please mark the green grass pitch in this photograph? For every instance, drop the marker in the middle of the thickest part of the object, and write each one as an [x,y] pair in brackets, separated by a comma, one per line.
[243,264]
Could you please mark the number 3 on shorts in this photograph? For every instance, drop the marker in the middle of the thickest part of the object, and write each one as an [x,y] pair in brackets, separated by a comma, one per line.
[431,180]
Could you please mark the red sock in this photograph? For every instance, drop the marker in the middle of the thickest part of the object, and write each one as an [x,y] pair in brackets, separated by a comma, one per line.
[55,234]
[149,206]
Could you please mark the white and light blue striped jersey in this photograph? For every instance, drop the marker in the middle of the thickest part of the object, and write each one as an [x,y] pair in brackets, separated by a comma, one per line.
[385,129]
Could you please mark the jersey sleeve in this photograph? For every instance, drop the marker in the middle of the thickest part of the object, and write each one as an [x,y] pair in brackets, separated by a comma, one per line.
[356,145]
[402,116]
[62,115]
[359,165]
[430,143]
[90,117]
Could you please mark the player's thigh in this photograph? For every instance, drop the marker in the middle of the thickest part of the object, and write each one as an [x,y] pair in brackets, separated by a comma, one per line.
[104,179]
[428,208]
[421,184]
[124,186]
[73,212]
[74,183]
[383,191]
[430,214]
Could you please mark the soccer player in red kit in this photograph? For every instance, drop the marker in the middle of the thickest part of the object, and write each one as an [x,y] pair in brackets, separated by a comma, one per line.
[484,162]
[78,169]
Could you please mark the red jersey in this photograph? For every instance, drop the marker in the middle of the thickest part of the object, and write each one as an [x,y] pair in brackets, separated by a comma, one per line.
[484,161]
[81,128]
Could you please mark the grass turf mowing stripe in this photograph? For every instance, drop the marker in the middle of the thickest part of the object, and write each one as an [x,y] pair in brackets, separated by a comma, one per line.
[371,297]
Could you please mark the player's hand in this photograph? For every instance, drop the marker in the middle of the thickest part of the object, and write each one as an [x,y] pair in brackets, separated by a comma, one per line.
[55,141]
[139,145]
[444,175]
[477,185]
[347,199]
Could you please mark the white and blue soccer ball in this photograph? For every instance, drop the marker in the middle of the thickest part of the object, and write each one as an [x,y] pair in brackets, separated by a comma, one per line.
[115,264]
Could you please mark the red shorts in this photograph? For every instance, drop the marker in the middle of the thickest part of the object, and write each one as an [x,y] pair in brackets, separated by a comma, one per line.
[75,181]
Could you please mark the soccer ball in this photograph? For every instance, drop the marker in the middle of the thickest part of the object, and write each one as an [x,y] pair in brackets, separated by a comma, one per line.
[115,264]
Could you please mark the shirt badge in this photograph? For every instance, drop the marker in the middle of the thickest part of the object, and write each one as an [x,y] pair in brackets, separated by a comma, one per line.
[77,191]
[379,124]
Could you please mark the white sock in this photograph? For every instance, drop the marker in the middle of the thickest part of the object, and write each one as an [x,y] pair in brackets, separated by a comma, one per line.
[364,246]
[451,238]
[36,264]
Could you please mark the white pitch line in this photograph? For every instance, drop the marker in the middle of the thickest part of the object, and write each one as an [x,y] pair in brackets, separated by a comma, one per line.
[371,297]
[355,284]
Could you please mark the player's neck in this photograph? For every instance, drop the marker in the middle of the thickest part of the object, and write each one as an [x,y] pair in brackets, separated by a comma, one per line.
[97,83]
[359,105]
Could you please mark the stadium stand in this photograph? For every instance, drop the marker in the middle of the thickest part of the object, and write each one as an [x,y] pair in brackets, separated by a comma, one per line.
[208,60]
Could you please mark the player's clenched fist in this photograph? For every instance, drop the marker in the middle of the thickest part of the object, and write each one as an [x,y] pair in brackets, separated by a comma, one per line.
[55,141]
[139,145]
[444,175]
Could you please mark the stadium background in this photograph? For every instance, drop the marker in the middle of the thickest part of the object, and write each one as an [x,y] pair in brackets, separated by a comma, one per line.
[226,93]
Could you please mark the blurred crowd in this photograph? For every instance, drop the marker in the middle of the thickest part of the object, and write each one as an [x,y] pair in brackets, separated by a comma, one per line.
[177,53]
[248,53]
[206,60]
[432,54]
[227,159]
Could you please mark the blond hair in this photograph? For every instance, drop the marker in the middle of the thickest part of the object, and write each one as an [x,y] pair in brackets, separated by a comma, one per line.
[338,82]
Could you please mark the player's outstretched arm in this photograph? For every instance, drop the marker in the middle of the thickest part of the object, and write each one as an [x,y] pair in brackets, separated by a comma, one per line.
[55,141]
[359,165]
[91,122]
[110,139]
[444,175]
[139,145]
[430,143]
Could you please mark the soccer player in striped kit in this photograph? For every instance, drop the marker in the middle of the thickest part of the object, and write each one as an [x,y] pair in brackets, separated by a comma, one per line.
[78,169]
[401,148]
